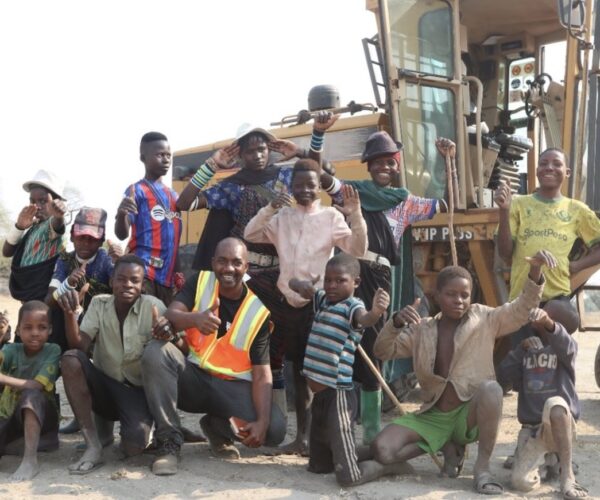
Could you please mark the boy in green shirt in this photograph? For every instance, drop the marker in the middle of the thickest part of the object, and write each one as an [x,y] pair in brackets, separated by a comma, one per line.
[28,371]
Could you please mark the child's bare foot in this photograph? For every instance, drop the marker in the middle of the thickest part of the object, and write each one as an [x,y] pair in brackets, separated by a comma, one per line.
[89,461]
[571,489]
[28,469]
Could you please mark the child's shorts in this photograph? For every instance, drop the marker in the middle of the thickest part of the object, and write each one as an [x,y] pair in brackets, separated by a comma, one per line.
[437,427]
[45,411]
[533,443]
[332,446]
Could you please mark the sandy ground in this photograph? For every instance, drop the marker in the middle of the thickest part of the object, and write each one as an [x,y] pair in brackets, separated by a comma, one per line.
[264,477]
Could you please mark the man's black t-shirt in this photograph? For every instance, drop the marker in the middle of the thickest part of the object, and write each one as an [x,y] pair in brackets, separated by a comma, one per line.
[259,350]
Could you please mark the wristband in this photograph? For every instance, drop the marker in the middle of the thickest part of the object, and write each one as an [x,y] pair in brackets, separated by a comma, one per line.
[203,175]
[335,187]
[14,235]
[63,288]
[316,141]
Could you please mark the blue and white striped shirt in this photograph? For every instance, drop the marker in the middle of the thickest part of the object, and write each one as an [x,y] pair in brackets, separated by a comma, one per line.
[332,342]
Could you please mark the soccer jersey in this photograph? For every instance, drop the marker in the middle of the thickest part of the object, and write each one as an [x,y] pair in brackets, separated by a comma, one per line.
[553,225]
[41,367]
[332,342]
[155,229]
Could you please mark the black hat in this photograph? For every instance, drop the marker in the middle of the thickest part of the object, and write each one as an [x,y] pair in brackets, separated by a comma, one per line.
[379,144]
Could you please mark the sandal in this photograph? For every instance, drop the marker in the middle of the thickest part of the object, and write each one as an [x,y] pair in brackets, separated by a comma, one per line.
[485,484]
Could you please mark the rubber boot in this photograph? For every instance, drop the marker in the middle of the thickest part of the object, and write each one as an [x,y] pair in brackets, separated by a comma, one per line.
[370,414]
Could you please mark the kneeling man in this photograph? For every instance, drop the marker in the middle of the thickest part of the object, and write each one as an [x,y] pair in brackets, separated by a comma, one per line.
[220,366]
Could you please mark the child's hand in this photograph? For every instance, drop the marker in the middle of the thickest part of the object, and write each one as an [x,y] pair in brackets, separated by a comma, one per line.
[543,257]
[71,300]
[324,120]
[56,208]
[4,326]
[77,276]
[114,250]
[282,200]
[532,344]
[503,195]
[408,315]
[225,158]
[351,201]
[161,326]
[26,217]
[127,205]
[306,289]
[445,147]
[381,301]
[539,317]
[287,149]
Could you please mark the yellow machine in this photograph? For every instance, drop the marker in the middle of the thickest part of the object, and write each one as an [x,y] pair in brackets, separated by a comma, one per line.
[474,71]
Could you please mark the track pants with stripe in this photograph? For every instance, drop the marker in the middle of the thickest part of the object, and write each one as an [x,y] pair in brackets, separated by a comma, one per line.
[332,446]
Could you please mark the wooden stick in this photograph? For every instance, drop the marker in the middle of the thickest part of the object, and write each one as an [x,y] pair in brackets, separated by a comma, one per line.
[390,394]
[450,171]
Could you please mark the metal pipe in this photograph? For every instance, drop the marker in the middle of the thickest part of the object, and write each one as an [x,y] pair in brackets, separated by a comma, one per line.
[479,104]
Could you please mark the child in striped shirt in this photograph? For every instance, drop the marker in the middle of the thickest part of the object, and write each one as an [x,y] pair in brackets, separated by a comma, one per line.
[336,332]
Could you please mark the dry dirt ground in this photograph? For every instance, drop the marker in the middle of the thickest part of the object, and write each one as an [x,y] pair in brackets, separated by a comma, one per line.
[264,477]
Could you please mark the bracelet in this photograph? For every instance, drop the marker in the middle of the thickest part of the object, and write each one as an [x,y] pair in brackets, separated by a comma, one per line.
[63,288]
[203,174]
[335,187]
[14,235]
[316,141]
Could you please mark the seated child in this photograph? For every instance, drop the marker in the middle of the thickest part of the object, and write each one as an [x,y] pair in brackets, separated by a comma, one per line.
[542,369]
[28,371]
[336,332]
[453,359]
[305,236]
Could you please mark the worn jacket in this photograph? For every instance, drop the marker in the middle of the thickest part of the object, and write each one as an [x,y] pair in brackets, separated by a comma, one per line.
[474,341]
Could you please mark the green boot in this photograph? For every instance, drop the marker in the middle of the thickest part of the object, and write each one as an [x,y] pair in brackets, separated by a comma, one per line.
[370,414]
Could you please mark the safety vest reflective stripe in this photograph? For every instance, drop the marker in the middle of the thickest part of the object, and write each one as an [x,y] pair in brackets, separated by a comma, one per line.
[229,355]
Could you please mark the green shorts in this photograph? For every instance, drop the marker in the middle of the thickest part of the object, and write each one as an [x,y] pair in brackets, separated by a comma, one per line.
[436,427]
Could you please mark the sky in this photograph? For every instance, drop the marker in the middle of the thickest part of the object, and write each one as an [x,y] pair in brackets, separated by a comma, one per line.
[82,80]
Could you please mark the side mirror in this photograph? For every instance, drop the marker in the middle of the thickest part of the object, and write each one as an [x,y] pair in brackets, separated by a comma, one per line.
[572,14]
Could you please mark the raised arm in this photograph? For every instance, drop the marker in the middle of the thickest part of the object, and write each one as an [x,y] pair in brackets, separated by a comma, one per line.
[126,208]
[355,243]
[15,235]
[364,319]
[503,198]
[396,337]
[258,229]
[222,159]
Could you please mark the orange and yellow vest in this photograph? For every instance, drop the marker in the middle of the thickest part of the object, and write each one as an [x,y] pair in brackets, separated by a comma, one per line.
[228,356]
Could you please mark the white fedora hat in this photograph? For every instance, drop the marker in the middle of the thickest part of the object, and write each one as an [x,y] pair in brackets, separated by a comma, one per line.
[46,180]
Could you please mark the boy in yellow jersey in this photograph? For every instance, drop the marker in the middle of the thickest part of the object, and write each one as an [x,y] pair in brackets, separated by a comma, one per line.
[546,219]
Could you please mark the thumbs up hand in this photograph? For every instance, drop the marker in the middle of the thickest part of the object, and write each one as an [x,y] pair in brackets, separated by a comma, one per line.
[381,301]
[78,275]
[161,326]
[208,321]
[127,205]
[114,250]
[408,315]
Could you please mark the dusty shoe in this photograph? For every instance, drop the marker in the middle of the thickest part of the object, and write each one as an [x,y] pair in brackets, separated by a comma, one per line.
[220,446]
[165,464]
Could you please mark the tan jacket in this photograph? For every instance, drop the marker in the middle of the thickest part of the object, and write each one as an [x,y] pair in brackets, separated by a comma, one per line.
[474,341]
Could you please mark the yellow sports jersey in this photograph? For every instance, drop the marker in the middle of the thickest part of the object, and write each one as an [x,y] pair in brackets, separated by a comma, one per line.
[553,225]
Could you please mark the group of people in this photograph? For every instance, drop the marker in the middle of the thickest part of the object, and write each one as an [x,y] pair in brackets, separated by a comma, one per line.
[281,278]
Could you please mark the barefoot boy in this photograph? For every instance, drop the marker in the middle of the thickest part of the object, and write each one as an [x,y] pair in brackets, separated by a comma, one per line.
[28,371]
[453,358]
[305,236]
[542,369]
[336,332]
